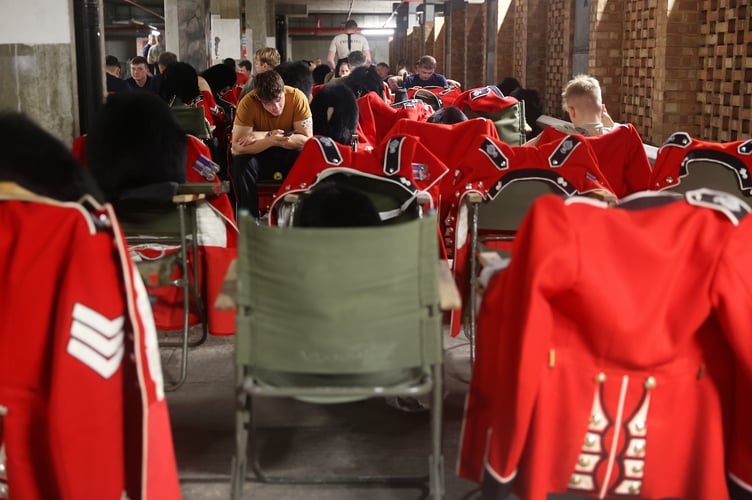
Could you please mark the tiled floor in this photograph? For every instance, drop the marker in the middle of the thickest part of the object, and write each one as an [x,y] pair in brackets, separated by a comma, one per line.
[367,437]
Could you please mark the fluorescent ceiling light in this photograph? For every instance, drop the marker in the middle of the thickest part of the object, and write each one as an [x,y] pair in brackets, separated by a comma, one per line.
[376,32]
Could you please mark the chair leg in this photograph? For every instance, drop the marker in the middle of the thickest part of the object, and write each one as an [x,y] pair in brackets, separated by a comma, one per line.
[184,283]
[436,460]
[472,277]
[240,460]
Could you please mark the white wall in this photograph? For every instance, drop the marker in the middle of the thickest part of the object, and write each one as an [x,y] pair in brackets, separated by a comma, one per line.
[36,22]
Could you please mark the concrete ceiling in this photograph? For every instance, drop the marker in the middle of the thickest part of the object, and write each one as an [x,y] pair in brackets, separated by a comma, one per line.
[342,6]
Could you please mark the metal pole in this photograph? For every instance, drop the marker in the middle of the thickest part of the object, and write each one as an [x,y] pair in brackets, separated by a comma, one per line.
[89,68]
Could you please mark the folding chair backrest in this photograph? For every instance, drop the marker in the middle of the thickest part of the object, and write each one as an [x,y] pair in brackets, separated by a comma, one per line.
[192,119]
[506,211]
[393,203]
[710,174]
[338,300]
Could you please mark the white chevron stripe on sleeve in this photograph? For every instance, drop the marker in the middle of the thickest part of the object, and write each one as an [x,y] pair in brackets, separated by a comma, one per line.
[96,341]
[97,321]
[94,360]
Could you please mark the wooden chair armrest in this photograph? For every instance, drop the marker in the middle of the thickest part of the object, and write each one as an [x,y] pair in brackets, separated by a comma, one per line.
[207,188]
[187,198]
[603,195]
[449,295]
[474,198]
[229,291]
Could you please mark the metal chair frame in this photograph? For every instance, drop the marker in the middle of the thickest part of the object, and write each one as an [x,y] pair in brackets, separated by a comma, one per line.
[426,376]
[174,224]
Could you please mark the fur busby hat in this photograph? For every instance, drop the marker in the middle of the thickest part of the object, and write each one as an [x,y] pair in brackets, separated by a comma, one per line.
[135,140]
[363,80]
[334,111]
[180,82]
[37,161]
[296,74]
[220,77]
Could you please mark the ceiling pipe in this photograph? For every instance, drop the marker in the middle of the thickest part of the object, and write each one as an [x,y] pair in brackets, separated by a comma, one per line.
[145,9]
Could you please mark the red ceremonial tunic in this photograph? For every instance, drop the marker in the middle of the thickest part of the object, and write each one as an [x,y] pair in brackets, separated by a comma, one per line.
[400,159]
[490,165]
[613,354]
[82,409]
[676,155]
[621,157]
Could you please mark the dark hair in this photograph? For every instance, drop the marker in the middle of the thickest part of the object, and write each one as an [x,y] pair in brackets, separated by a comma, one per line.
[36,160]
[180,81]
[245,63]
[448,115]
[220,77]
[508,85]
[319,73]
[111,61]
[356,59]
[139,60]
[350,24]
[135,140]
[342,122]
[167,58]
[229,62]
[363,80]
[296,74]
[268,86]
[336,204]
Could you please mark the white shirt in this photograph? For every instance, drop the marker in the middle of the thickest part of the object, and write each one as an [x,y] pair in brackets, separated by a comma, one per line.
[340,46]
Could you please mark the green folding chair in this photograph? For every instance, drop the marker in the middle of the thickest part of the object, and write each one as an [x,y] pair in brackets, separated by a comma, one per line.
[329,315]
[165,214]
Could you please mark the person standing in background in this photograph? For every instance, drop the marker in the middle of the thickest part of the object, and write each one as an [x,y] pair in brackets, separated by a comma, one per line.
[346,42]
[153,56]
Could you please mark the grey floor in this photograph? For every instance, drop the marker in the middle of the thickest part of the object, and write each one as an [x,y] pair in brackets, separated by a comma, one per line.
[367,437]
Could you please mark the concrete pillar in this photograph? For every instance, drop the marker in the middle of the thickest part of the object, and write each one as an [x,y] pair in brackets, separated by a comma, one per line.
[257,22]
[38,66]
[188,27]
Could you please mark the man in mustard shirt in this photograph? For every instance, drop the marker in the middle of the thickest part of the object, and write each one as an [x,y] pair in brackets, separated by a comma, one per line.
[272,124]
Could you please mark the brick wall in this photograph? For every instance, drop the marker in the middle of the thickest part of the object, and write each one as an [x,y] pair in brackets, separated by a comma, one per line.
[537,40]
[664,65]
[475,43]
[505,43]
[519,69]
[559,26]
[607,51]
[457,47]
[640,67]
[439,46]
[724,78]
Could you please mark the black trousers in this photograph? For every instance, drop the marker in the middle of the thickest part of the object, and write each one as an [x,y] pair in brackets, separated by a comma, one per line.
[246,170]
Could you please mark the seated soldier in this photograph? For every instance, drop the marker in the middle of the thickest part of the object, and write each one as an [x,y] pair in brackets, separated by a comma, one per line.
[424,76]
[619,148]
[80,359]
[272,124]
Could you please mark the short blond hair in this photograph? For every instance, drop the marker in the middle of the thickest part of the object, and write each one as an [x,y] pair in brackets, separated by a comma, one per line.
[269,55]
[583,90]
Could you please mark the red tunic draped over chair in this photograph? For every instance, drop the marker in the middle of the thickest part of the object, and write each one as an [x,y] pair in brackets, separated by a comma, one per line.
[613,354]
